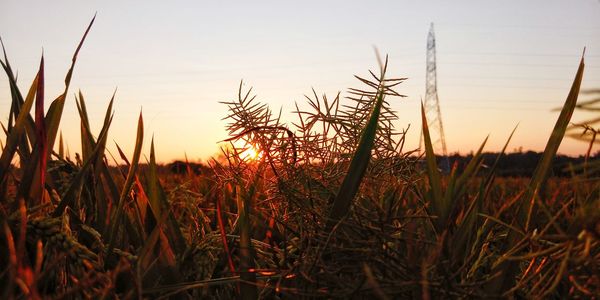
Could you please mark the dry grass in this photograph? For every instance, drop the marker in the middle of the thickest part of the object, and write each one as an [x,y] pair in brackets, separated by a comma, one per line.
[335,207]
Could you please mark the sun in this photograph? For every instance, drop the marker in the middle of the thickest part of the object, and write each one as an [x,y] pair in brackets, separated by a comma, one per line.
[250,152]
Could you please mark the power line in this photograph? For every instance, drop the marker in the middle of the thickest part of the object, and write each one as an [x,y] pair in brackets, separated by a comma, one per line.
[448,26]
[520,54]
[502,108]
[486,100]
[517,64]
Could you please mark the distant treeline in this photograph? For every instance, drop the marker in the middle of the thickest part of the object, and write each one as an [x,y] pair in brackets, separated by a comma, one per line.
[519,164]
[183,168]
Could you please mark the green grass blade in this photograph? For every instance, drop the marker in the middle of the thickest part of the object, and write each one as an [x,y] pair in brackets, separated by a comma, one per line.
[358,165]
[61,147]
[472,167]
[456,188]
[147,257]
[17,131]
[248,288]
[492,171]
[70,195]
[116,220]
[56,108]
[87,140]
[463,240]
[541,171]
[16,105]
[157,199]
[40,128]
[509,269]
[100,167]
[433,173]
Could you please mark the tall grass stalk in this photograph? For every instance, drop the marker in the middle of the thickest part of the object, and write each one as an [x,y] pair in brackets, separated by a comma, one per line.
[334,208]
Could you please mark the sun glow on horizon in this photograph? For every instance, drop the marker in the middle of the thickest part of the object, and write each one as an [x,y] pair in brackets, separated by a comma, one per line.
[250,152]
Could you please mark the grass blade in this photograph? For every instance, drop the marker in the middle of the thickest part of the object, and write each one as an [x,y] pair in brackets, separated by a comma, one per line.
[17,131]
[87,140]
[159,205]
[360,160]
[69,196]
[248,288]
[56,108]
[467,229]
[40,128]
[433,173]
[509,269]
[61,147]
[541,171]
[116,220]
[16,106]
[52,122]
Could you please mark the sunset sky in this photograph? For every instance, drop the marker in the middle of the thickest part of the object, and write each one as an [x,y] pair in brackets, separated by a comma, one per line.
[499,63]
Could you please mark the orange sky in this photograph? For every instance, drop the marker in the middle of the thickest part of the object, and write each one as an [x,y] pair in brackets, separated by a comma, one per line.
[499,63]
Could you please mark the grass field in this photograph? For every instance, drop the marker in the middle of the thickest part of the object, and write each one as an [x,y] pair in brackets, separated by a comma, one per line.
[329,206]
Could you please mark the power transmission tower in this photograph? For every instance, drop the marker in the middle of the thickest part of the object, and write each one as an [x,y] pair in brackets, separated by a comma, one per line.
[432,103]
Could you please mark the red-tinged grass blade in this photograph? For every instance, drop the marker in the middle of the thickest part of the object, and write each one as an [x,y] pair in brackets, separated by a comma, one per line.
[30,180]
[224,236]
[13,260]
[52,122]
[142,205]
[12,139]
[188,168]
[40,128]
[118,215]
[433,173]
[360,160]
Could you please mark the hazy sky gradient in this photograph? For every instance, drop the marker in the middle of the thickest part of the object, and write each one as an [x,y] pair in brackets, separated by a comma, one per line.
[499,62]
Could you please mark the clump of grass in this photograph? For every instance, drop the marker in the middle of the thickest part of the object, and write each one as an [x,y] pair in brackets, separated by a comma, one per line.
[333,207]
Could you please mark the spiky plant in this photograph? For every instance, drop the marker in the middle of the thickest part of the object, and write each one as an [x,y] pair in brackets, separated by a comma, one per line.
[333,206]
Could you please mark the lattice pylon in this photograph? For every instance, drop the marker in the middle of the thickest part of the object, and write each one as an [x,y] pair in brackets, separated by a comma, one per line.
[432,102]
